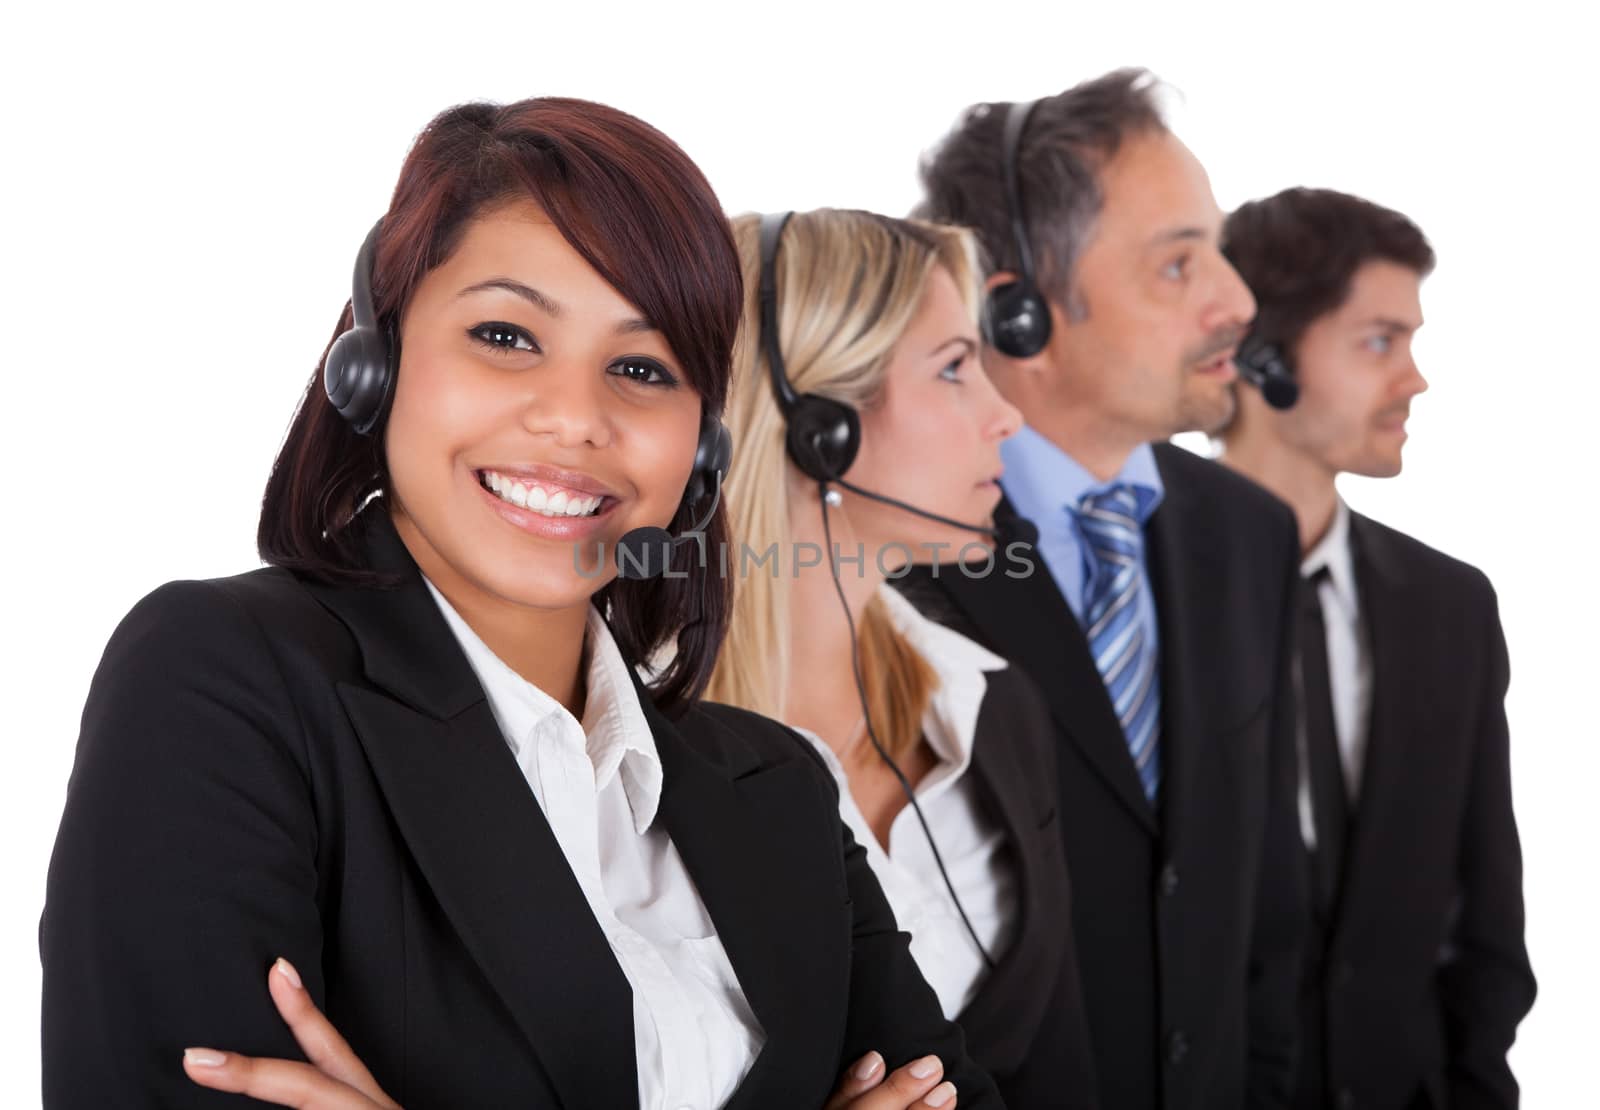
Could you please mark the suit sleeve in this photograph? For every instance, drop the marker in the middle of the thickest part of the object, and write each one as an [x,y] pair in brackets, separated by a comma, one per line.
[1282,907]
[1486,984]
[892,1009]
[184,863]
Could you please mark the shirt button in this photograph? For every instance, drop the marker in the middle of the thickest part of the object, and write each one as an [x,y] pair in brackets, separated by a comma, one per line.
[1177,1047]
[1169,881]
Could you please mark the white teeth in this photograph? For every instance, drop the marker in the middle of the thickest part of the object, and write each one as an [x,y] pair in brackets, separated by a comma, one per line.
[560,503]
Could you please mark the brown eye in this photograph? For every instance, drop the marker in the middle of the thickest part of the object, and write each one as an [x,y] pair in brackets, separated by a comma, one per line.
[645,371]
[503,336]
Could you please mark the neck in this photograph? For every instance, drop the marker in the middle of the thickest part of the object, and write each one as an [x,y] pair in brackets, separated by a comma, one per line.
[1304,483]
[544,646]
[820,688]
[1094,441]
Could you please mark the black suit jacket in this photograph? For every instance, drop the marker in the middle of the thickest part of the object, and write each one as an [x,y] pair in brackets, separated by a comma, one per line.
[1025,1026]
[271,767]
[1188,921]
[1419,975]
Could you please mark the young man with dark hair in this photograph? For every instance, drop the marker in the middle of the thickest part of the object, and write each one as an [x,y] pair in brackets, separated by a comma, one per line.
[1159,620]
[1417,971]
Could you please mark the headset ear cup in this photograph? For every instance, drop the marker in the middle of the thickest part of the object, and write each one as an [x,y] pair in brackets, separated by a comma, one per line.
[824,437]
[358,376]
[1017,320]
[712,455]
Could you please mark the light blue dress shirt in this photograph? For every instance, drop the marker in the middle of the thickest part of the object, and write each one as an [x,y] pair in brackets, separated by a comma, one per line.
[1044,484]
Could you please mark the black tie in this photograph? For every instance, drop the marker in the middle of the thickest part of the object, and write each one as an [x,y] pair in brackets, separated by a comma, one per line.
[1329,805]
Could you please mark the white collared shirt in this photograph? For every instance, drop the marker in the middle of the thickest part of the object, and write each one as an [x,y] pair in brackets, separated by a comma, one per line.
[599,784]
[1349,662]
[971,839]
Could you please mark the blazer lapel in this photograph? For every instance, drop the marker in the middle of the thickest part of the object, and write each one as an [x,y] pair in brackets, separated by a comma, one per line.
[479,837]
[776,896]
[1029,621]
[1180,555]
[1011,998]
[1386,614]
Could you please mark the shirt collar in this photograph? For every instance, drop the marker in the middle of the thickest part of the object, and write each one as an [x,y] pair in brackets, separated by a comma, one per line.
[617,737]
[1041,479]
[1333,554]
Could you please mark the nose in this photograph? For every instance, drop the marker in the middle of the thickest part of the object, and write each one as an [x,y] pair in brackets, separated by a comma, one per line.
[1001,419]
[1414,382]
[566,403]
[1232,304]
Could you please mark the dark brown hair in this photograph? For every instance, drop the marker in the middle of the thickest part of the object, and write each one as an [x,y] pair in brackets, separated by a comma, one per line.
[1067,142]
[642,214]
[1299,250]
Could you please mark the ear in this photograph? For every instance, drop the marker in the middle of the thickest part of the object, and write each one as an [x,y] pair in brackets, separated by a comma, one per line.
[999,278]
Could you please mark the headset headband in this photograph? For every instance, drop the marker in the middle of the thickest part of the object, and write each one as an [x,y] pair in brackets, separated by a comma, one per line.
[1017,116]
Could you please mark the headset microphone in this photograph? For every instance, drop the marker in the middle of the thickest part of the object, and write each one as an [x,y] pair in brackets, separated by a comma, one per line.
[1008,528]
[647,552]
[1262,365]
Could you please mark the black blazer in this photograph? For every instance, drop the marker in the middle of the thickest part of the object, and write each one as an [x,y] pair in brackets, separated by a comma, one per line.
[1025,1026]
[1189,921]
[272,767]
[1419,975]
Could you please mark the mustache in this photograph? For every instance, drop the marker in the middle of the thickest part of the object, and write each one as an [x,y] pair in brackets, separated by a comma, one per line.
[1216,343]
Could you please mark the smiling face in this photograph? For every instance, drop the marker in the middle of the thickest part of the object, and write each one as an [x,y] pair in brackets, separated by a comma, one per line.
[534,411]
[932,437]
[1157,310]
[1358,377]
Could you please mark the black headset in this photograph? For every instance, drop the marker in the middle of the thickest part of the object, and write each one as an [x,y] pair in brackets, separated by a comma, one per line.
[1264,366]
[359,371]
[1016,318]
[823,435]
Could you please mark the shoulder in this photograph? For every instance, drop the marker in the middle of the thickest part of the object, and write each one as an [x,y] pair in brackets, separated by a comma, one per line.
[742,742]
[1426,569]
[1190,477]
[259,611]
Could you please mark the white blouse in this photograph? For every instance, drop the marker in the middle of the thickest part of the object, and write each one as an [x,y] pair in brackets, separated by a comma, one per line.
[599,783]
[971,839]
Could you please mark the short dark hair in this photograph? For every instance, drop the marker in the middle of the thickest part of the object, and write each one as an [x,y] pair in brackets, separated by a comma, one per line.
[1299,250]
[642,214]
[1067,142]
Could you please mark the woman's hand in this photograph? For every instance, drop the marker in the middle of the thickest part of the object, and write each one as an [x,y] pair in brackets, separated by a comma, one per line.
[334,1080]
[910,1088]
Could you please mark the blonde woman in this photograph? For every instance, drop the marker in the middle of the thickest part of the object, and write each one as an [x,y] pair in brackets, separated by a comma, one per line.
[864,426]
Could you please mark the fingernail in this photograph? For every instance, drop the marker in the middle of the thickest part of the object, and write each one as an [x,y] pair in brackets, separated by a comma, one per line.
[286,969]
[941,1094]
[925,1067]
[204,1057]
[869,1065]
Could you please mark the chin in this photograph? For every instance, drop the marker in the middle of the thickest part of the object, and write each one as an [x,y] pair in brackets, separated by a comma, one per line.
[1208,412]
[551,581]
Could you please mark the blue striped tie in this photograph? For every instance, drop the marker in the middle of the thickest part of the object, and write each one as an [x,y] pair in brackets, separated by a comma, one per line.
[1109,523]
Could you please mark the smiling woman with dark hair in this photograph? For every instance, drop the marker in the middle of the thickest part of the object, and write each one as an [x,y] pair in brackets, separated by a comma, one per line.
[404,780]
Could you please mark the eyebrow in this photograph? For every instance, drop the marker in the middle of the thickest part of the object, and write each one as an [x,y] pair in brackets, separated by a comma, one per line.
[1180,234]
[1388,324]
[631,326]
[960,340]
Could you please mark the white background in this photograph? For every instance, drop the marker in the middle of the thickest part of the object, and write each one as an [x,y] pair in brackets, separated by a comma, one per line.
[184,192]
